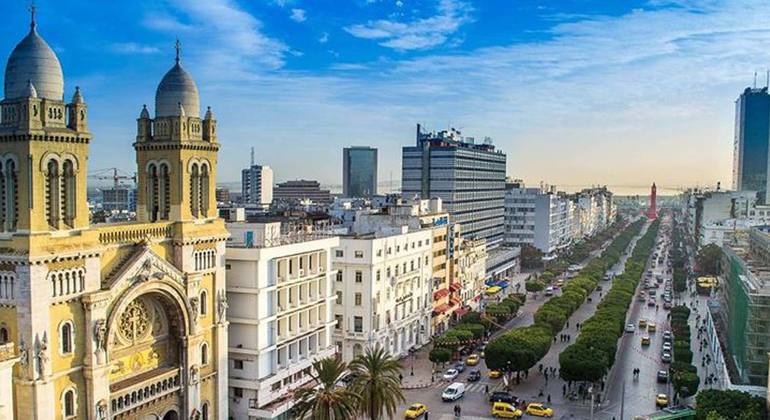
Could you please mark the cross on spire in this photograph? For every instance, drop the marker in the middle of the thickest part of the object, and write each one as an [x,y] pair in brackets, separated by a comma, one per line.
[32,10]
[178,47]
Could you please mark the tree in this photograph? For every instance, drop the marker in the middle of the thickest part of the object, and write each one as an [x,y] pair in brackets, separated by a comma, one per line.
[531,257]
[708,259]
[478,330]
[546,277]
[581,363]
[726,404]
[685,383]
[534,286]
[377,383]
[440,355]
[326,400]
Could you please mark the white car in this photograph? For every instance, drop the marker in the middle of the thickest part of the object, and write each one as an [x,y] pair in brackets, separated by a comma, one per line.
[549,291]
[451,374]
[630,328]
[453,392]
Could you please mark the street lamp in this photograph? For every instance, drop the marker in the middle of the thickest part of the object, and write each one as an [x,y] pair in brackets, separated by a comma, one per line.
[412,372]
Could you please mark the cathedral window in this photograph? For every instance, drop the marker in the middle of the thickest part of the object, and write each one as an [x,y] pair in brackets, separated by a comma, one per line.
[52,195]
[152,192]
[194,190]
[204,301]
[204,354]
[204,190]
[10,195]
[66,338]
[3,335]
[69,193]
[205,411]
[164,194]
[69,403]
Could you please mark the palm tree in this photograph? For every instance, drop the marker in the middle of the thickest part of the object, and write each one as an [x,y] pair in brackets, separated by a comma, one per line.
[326,400]
[377,383]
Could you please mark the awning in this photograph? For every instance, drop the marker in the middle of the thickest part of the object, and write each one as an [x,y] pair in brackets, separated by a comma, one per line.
[441,293]
[490,282]
[503,284]
[494,289]
[441,308]
[455,287]
[461,311]
[455,300]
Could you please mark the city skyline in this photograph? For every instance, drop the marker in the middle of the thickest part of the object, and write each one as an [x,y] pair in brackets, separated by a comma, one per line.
[380,67]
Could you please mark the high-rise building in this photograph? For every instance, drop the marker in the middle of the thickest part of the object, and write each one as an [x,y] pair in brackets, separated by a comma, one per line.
[257,185]
[752,136]
[109,321]
[222,195]
[301,190]
[538,216]
[359,171]
[468,177]
[280,294]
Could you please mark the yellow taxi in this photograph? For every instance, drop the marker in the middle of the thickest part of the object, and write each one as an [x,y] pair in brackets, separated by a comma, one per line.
[646,340]
[642,323]
[559,282]
[494,374]
[472,360]
[651,327]
[661,400]
[415,410]
[506,411]
[540,410]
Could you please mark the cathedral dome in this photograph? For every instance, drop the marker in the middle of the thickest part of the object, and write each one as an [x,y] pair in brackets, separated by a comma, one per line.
[177,88]
[33,61]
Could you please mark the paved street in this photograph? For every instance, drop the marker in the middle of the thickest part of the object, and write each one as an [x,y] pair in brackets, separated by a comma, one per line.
[475,403]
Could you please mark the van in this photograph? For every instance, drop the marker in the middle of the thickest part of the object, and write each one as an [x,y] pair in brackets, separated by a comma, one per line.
[453,392]
[506,411]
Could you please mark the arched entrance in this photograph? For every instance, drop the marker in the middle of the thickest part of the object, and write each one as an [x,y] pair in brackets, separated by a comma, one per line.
[171,415]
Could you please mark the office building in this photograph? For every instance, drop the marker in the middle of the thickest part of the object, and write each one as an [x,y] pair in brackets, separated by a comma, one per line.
[750,145]
[539,217]
[257,186]
[703,208]
[279,292]
[222,195]
[119,199]
[468,177]
[359,171]
[301,191]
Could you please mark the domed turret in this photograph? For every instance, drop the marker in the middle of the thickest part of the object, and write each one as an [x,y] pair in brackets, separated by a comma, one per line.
[177,88]
[33,61]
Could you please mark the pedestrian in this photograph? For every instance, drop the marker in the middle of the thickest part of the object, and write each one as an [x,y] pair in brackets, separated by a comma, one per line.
[427,414]
[486,389]
[554,339]
[400,378]
[564,390]
[549,398]
[602,386]
[546,376]
[567,324]
[540,368]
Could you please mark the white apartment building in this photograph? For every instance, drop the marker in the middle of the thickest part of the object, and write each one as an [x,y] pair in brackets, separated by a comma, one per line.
[705,211]
[383,290]
[470,273]
[593,211]
[540,217]
[280,294]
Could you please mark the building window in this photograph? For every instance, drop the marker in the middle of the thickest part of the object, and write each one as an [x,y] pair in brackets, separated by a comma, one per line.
[378,275]
[358,299]
[339,297]
[338,318]
[238,364]
[205,411]
[3,335]
[359,277]
[379,252]
[276,386]
[338,253]
[66,337]
[358,324]
[204,303]
[238,392]
[359,254]
[339,276]
[204,354]
[69,403]
[387,272]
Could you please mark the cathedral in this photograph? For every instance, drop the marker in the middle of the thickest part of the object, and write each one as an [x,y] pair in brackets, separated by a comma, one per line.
[109,321]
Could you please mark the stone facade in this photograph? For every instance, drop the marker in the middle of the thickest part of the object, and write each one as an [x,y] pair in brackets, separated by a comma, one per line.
[109,321]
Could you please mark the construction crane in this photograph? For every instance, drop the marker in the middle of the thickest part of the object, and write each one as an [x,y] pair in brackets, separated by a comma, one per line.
[116,176]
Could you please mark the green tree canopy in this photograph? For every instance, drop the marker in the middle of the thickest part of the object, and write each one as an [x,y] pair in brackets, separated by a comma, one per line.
[708,259]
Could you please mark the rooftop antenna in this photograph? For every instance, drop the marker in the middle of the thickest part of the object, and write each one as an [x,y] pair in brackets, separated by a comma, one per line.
[32,11]
[767,80]
[252,156]
[755,80]
[178,47]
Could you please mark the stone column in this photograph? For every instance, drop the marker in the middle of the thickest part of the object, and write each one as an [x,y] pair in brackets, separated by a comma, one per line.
[96,369]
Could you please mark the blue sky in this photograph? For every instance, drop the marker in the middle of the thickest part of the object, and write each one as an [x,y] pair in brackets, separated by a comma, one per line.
[575,92]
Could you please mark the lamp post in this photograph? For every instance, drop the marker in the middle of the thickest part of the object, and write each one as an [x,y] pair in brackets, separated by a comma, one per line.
[412,372]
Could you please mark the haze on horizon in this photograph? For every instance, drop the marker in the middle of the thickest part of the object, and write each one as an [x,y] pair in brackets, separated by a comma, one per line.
[574,92]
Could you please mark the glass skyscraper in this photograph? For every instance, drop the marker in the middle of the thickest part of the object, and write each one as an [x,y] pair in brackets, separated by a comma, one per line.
[359,171]
[752,136]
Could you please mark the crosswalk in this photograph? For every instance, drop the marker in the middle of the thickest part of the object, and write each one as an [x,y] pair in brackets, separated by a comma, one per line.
[476,387]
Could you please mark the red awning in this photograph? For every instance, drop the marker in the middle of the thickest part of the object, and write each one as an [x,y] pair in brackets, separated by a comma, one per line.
[477,298]
[441,308]
[438,294]
[455,287]
[455,300]
[461,311]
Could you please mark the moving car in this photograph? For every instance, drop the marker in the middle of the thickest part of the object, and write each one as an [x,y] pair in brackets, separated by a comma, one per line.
[540,410]
[453,392]
[661,400]
[451,374]
[663,376]
[630,328]
[474,376]
[494,374]
[506,411]
[667,304]
[459,367]
[642,323]
[646,340]
[549,291]
[502,396]
[415,410]
[472,360]
[651,302]
[651,327]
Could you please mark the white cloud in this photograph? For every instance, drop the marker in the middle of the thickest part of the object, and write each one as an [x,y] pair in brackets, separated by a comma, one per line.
[324,38]
[133,48]
[298,15]
[417,34]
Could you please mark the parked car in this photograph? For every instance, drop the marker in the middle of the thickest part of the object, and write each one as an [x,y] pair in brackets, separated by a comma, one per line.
[474,376]
[665,357]
[661,400]
[549,291]
[451,374]
[651,302]
[506,411]
[663,376]
[453,392]
[415,410]
[667,336]
[502,396]
[539,409]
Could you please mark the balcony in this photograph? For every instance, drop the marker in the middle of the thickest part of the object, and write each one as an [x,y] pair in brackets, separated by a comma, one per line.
[142,389]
